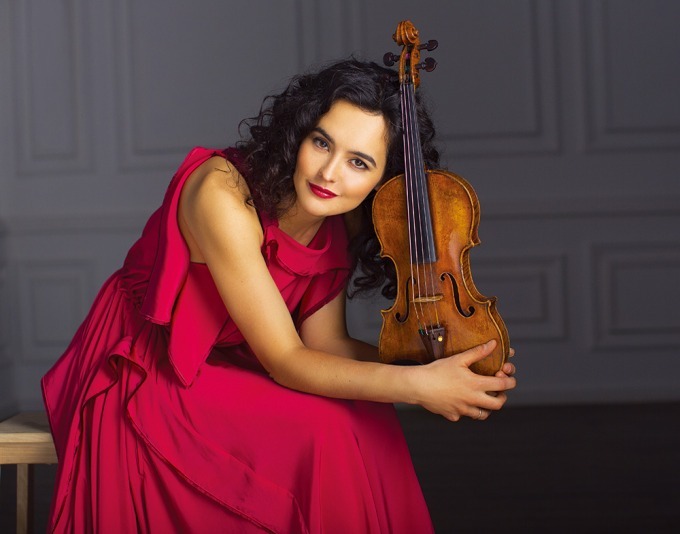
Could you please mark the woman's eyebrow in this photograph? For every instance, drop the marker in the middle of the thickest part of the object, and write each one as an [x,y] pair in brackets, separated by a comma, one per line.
[358,153]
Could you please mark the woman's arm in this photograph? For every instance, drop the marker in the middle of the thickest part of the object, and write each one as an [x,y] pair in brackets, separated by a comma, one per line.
[222,230]
[326,330]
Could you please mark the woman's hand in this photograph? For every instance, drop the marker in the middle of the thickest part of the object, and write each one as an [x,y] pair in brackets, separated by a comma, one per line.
[448,387]
[508,368]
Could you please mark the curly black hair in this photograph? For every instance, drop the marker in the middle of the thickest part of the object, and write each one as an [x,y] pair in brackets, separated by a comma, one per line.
[287,118]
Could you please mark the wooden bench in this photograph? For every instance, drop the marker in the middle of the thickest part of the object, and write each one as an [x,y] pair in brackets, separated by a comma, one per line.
[25,439]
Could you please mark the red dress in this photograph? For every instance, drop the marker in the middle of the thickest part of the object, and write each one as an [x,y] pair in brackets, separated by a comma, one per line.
[164,420]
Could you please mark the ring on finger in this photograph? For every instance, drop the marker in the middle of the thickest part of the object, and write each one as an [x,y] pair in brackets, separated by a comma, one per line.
[481,414]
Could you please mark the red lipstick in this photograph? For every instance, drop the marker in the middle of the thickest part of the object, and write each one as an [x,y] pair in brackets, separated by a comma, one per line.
[321,192]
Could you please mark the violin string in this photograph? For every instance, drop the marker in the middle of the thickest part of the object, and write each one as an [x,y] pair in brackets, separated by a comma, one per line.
[412,184]
[425,242]
[408,171]
[428,228]
[418,194]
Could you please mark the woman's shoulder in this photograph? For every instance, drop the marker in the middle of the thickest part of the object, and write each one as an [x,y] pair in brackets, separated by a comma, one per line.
[216,184]
[217,174]
[215,198]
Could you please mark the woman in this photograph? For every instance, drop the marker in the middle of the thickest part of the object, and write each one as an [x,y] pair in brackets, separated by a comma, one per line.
[213,387]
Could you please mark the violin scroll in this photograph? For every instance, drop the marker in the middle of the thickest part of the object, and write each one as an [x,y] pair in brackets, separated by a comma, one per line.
[406,36]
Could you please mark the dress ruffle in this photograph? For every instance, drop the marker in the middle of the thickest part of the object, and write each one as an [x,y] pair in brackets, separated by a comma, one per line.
[133,391]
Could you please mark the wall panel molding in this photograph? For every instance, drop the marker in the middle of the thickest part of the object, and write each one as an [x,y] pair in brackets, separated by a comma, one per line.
[78,224]
[55,300]
[52,92]
[495,90]
[304,32]
[539,131]
[568,209]
[531,293]
[636,292]
[627,92]
[583,207]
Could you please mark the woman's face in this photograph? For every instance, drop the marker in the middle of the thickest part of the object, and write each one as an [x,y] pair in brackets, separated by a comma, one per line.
[340,161]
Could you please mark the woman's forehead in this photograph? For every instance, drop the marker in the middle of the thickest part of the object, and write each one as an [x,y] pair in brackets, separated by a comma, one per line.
[354,128]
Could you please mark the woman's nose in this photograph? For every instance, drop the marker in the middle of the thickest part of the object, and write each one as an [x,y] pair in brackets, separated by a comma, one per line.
[329,171]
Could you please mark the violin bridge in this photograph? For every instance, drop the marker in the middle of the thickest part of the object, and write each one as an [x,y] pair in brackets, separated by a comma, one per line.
[427,298]
[433,338]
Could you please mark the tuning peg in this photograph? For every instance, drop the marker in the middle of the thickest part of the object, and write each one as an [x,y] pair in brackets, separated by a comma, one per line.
[429,46]
[390,59]
[428,65]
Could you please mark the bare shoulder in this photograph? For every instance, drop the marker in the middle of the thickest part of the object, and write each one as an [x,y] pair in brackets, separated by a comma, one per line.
[216,176]
[215,197]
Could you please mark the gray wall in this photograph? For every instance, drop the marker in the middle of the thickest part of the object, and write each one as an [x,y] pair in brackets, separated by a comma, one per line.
[563,114]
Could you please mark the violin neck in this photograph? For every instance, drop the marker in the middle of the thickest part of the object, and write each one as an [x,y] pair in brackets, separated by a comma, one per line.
[421,236]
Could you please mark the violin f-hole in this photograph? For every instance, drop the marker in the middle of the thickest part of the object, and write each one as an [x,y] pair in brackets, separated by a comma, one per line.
[398,316]
[456,295]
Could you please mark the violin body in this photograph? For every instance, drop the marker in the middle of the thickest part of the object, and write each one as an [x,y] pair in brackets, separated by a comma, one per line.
[463,317]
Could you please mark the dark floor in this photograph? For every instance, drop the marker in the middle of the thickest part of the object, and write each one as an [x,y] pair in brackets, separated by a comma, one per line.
[552,469]
[581,469]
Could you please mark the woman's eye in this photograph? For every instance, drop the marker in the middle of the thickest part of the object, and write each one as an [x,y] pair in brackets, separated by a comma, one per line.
[320,142]
[359,164]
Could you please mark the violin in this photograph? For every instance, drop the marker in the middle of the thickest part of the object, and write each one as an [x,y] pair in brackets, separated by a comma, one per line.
[426,222]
